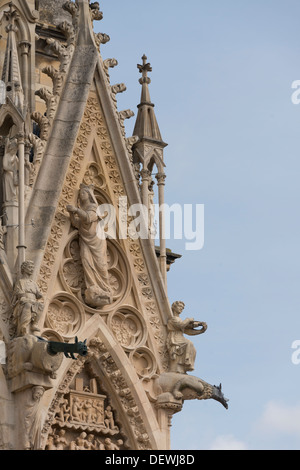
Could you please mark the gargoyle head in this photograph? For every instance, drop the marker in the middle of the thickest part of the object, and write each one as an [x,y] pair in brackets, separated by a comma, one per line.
[219,396]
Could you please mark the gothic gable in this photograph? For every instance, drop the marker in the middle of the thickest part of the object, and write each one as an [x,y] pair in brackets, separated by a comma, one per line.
[133,316]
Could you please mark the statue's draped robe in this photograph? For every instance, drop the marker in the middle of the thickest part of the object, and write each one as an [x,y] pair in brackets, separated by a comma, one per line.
[93,250]
[10,167]
[181,349]
[26,306]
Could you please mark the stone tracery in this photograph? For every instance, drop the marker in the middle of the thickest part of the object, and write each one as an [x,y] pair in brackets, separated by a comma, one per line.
[65,316]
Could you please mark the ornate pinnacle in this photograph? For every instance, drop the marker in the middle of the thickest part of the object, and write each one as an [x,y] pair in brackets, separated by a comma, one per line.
[11,15]
[146,126]
[11,74]
[144,69]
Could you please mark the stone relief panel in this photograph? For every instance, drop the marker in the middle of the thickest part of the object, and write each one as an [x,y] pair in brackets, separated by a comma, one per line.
[85,418]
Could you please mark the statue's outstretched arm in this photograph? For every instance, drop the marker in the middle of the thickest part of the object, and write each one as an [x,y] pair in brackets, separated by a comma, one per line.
[193,331]
[77,215]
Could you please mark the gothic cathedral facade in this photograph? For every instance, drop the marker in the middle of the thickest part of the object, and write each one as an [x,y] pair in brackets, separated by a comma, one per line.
[93,356]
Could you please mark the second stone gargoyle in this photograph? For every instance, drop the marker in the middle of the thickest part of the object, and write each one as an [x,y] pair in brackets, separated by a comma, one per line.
[56,347]
[173,388]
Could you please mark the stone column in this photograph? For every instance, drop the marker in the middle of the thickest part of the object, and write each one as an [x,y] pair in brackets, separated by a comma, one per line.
[162,235]
[21,154]
[165,413]
[145,175]
[25,49]
[27,172]
[10,200]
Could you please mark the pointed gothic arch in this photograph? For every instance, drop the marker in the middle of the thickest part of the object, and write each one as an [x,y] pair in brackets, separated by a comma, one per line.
[23,32]
[9,117]
[125,394]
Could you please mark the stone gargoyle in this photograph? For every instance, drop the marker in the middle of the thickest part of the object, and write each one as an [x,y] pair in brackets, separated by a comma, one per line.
[69,349]
[174,388]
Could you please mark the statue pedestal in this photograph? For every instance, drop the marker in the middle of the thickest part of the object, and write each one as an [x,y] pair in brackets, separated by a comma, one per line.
[30,364]
[28,379]
[167,401]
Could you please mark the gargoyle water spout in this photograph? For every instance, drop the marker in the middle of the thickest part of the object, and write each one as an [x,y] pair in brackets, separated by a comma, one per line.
[55,347]
[176,388]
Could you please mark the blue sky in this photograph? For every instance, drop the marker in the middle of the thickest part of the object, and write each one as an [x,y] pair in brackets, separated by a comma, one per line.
[221,83]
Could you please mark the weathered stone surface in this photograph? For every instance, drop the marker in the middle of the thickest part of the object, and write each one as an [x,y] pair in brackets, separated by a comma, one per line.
[52,12]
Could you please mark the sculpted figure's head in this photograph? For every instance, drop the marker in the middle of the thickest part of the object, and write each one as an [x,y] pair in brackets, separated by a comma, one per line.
[37,393]
[12,146]
[27,268]
[177,307]
[86,194]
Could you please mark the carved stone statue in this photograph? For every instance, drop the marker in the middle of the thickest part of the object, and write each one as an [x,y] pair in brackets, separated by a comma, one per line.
[79,444]
[64,412]
[27,308]
[109,445]
[18,96]
[152,225]
[93,248]
[176,386]
[10,171]
[60,440]
[181,350]
[109,419]
[32,418]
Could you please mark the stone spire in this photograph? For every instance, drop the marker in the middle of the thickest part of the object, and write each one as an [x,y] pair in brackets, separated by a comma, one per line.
[148,152]
[146,126]
[11,74]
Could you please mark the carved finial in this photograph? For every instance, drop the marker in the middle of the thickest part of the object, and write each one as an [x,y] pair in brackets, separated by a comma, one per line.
[11,73]
[96,14]
[11,15]
[144,69]
[146,124]
[71,7]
